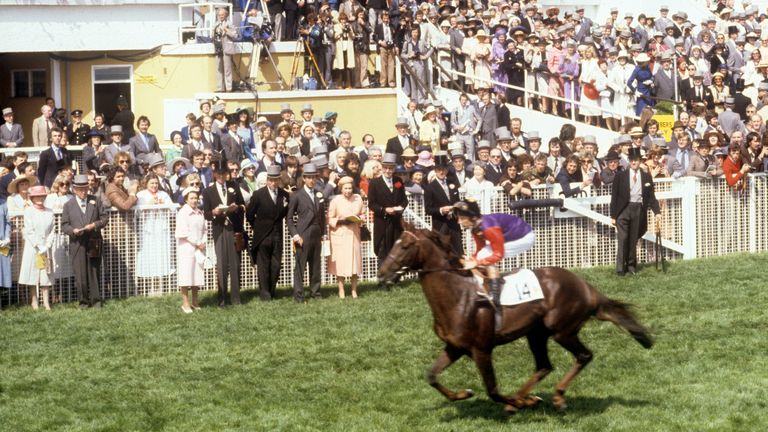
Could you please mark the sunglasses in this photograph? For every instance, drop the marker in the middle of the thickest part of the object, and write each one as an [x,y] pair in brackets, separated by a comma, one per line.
[122,162]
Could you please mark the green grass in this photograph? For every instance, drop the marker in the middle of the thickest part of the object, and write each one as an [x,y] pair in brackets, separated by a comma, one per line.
[333,365]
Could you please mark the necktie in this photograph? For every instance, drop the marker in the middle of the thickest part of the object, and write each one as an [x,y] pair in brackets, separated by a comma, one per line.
[224,193]
[634,176]
[146,142]
[82,206]
[58,153]
[274,196]
[389,183]
[445,188]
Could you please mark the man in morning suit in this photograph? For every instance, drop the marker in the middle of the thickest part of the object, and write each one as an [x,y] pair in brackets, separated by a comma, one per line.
[307,233]
[53,159]
[632,193]
[82,219]
[224,206]
[398,143]
[387,200]
[439,196]
[11,134]
[266,211]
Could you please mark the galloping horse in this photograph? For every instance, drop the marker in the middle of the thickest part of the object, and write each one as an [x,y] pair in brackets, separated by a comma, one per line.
[468,328]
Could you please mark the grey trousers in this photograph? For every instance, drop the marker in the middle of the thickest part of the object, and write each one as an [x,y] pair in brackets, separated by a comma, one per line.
[224,73]
[227,264]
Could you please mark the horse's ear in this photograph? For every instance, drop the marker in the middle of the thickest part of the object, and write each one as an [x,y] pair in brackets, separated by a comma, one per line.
[407,226]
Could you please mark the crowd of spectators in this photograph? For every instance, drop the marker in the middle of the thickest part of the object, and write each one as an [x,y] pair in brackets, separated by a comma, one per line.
[476,148]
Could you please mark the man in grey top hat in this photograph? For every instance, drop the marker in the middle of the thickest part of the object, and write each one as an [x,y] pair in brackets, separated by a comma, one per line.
[664,79]
[729,120]
[11,134]
[306,224]
[82,219]
[387,201]
[402,140]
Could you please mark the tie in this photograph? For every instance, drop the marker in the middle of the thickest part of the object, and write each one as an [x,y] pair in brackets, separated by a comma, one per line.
[274,196]
[445,188]
[389,183]
[634,176]
[682,160]
[82,206]
[224,193]
[58,153]
[146,142]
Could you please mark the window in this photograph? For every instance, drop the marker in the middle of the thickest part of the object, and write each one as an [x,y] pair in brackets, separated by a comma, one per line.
[28,83]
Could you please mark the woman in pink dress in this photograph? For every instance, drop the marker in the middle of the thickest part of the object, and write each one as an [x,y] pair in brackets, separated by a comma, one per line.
[554,56]
[191,236]
[344,219]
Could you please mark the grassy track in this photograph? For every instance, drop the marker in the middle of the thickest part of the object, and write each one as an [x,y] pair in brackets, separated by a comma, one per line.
[332,365]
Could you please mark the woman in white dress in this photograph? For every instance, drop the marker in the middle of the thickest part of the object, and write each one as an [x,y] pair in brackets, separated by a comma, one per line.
[18,191]
[468,47]
[191,236]
[617,81]
[589,108]
[536,58]
[479,188]
[58,196]
[601,84]
[482,57]
[38,235]
[153,224]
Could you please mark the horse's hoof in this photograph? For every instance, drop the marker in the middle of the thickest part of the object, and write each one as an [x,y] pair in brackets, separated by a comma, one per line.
[511,409]
[464,394]
[531,401]
[559,404]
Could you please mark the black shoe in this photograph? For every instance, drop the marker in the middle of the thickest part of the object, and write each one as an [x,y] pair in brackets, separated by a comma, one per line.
[620,273]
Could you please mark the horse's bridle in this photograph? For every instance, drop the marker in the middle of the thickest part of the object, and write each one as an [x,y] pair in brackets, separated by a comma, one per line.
[404,269]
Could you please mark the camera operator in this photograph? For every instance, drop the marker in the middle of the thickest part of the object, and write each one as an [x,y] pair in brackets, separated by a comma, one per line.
[384,36]
[325,22]
[362,35]
[224,36]
[344,60]
[312,32]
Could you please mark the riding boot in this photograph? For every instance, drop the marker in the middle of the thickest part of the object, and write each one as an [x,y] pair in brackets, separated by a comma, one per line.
[496,285]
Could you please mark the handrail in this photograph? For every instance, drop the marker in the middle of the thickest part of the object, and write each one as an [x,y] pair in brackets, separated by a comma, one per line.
[427,89]
[451,80]
[526,91]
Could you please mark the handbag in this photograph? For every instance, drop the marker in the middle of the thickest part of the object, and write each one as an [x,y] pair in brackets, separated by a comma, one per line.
[365,234]
[239,241]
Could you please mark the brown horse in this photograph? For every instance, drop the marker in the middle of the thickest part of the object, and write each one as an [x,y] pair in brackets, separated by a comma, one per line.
[468,328]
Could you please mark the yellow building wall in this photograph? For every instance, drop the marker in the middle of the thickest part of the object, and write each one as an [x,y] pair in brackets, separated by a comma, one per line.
[183,77]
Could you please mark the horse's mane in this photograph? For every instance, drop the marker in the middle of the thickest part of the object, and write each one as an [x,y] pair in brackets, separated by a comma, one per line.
[443,242]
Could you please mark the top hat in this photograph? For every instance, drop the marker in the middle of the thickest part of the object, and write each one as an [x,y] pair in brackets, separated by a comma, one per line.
[80,180]
[634,153]
[307,107]
[402,122]
[389,159]
[441,159]
[220,166]
[320,161]
[309,169]
[273,171]
[116,129]
[155,159]
[285,108]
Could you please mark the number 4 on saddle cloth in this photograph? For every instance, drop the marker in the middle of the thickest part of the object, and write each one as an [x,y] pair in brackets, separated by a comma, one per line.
[521,286]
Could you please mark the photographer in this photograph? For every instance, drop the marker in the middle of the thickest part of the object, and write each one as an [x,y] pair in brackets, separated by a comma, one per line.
[275,10]
[224,36]
[384,36]
[362,35]
[344,61]
[313,33]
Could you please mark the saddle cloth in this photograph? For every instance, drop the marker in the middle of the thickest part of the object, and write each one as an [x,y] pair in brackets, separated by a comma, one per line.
[521,286]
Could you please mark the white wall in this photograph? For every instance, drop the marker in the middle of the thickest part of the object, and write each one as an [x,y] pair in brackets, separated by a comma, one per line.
[87,28]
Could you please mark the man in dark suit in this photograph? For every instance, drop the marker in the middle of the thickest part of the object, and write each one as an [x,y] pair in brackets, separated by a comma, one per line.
[53,159]
[307,205]
[144,142]
[82,219]
[195,142]
[488,118]
[76,130]
[663,80]
[231,142]
[495,169]
[698,94]
[156,165]
[266,211]
[11,134]
[210,138]
[402,140]
[632,193]
[439,196]
[387,201]
[224,206]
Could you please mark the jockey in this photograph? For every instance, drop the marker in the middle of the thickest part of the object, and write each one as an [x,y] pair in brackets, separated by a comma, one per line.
[497,236]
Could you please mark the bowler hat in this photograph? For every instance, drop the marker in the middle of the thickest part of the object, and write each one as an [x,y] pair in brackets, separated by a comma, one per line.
[611,156]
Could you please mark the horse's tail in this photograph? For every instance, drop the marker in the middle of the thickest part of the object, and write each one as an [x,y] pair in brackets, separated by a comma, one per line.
[619,313]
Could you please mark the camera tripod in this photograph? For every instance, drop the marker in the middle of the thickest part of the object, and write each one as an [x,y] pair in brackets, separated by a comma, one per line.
[295,64]
[258,45]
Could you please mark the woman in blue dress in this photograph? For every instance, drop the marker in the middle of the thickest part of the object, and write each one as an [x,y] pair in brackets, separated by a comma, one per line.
[644,77]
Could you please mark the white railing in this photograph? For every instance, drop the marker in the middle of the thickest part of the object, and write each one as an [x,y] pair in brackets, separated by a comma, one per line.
[199,19]
[574,101]
[701,218]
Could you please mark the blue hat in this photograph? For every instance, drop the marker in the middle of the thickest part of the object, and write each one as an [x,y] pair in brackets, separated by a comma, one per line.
[93,133]
[331,114]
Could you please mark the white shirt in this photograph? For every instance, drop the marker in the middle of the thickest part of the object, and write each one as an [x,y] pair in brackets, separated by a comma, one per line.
[635,186]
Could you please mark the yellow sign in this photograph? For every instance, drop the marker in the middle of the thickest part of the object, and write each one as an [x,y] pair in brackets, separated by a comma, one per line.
[145,79]
[666,121]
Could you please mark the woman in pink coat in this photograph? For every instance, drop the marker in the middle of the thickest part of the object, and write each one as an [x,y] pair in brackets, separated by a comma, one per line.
[191,236]
[554,55]
[344,219]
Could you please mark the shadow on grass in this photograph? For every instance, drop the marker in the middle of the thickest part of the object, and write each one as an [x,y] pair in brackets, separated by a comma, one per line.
[478,408]
[247,295]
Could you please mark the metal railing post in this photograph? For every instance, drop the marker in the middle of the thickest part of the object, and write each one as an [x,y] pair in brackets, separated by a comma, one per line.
[573,102]
[525,88]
